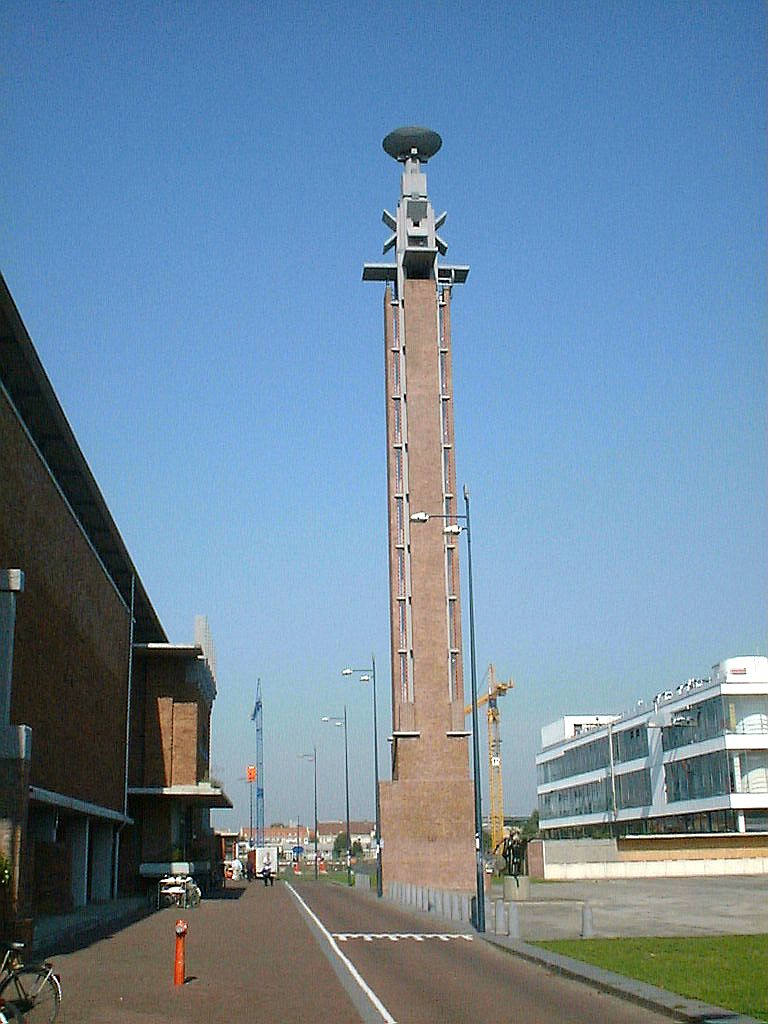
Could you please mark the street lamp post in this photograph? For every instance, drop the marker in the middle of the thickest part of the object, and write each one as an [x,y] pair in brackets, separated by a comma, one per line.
[313,758]
[423,517]
[365,675]
[339,722]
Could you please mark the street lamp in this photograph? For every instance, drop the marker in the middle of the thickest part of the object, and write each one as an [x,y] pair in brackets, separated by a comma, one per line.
[339,722]
[313,758]
[455,528]
[369,675]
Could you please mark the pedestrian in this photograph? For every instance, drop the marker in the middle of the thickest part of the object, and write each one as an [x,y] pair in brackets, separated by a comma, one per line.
[266,872]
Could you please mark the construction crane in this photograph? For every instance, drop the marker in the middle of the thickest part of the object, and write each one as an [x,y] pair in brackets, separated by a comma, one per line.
[495,690]
[256,718]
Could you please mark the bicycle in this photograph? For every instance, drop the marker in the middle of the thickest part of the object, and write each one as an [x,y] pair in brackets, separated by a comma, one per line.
[33,989]
[178,890]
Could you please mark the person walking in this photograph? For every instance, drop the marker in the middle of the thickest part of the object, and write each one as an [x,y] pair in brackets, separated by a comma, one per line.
[266,872]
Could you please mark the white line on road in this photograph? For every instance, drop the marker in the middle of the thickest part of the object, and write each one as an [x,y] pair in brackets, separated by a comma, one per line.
[395,936]
[380,1007]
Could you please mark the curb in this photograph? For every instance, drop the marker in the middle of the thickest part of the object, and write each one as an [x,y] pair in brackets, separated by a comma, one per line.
[639,992]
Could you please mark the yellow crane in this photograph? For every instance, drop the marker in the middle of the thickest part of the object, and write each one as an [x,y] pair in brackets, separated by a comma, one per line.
[495,690]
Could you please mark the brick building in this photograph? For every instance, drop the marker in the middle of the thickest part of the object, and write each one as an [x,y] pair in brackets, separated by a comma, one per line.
[170,792]
[64,784]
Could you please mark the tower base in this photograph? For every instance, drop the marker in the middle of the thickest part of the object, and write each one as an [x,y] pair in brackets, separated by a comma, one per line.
[427,828]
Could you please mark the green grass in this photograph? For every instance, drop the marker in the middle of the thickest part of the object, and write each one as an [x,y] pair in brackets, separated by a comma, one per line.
[727,970]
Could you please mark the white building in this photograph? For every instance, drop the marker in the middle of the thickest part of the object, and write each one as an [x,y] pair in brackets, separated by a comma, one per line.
[694,760]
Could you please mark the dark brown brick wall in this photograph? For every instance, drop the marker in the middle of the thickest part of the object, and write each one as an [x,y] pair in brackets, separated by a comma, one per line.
[426,841]
[427,810]
[170,718]
[72,633]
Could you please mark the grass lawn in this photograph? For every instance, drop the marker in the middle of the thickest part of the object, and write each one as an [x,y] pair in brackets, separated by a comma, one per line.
[728,970]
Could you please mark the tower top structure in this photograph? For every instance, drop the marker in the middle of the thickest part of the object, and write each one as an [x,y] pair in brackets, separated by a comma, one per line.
[412,143]
[415,226]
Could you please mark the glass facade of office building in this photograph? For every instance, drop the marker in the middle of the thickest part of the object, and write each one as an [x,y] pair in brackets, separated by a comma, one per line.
[695,761]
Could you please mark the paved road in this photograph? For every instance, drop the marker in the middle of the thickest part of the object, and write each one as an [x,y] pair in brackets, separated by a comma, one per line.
[259,955]
[421,970]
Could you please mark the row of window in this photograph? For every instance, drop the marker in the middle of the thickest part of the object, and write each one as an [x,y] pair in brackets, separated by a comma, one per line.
[742,715]
[718,773]
[667,824]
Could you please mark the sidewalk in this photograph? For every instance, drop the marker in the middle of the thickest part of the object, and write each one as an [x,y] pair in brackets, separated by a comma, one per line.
[249,956]
[63,933]
[718,905]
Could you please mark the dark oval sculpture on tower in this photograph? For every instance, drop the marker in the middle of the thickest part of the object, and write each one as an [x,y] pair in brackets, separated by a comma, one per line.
[401,143]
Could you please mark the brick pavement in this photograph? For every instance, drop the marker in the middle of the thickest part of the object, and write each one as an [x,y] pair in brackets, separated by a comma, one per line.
[247,954]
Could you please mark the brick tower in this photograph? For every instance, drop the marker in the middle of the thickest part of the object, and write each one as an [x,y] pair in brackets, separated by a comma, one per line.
[427,823]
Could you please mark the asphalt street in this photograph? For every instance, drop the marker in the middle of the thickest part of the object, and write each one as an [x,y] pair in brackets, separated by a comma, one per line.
[306,951]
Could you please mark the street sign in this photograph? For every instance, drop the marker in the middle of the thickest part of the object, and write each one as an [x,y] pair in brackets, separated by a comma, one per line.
[250,773]
[298,850]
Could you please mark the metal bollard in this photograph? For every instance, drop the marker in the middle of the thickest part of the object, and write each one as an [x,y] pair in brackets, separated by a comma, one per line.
[179,966]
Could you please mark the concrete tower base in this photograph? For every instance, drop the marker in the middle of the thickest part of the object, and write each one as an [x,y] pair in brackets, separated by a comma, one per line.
[426,832]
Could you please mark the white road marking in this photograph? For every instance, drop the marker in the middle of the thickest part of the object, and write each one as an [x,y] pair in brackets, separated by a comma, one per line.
[386,1016]
[396,936]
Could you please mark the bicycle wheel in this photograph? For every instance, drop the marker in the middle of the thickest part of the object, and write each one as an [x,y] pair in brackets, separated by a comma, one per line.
[35,991]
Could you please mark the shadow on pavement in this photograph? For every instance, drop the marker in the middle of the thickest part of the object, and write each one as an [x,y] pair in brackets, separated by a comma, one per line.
[224,894]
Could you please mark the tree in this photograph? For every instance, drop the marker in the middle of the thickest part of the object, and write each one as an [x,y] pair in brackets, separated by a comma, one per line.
[340,846]
[531,826]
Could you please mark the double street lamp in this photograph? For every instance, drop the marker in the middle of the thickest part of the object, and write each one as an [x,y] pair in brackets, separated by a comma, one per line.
[369,675]
[313,758]
[339,722]
[455,528]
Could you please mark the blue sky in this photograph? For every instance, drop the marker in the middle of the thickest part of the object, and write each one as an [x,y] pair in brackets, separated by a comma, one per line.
[189,193]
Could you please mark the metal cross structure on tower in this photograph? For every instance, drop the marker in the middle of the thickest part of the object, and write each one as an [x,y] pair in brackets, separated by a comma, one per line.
[257,719]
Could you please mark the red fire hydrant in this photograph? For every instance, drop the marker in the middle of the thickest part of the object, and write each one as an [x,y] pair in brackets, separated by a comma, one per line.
[179,967]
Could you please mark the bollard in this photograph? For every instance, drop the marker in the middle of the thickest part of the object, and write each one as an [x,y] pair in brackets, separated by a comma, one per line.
[587,924]
[513,920]
[179,966]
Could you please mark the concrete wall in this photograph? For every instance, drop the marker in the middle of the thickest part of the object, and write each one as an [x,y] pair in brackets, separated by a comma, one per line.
[648,857]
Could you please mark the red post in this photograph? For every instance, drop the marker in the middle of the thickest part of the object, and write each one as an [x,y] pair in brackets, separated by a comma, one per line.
[179,966]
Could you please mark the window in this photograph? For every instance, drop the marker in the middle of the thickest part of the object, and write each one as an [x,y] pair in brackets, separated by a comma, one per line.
[443,372]
[700,722]
[633,789]
[629,744]
[747,715]
[589,798]
[587,757]
[453,642]
[450,554]
[402,625]
[400,520]
[692,778]
[453,663]
[396,373]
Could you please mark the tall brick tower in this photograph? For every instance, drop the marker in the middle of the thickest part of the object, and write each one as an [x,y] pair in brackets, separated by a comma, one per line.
[427,823]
